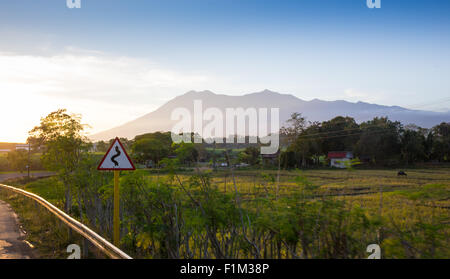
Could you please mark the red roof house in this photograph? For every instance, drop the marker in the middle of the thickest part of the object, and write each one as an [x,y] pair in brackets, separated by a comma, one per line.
[338,158]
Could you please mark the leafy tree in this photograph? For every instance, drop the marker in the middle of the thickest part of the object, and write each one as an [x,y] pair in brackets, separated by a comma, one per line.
[149,149]
[380,141]
[251,155]
[102,146]
[307,144]
[288,159]
[152,146]
[339,134]
[428,145]
[62,136]
[412,146]
[441,142]
[295,125]
[186,152]
[125,142]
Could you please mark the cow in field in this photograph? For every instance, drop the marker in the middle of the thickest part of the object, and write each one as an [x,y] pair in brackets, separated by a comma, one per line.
[401,173]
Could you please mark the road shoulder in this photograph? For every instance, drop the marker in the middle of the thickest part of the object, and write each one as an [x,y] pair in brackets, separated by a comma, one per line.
[12,244]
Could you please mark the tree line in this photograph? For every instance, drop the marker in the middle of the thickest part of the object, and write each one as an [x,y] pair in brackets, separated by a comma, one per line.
[378,142]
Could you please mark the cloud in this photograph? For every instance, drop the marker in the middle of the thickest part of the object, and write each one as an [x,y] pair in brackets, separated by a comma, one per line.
[354,95]
[94,77]
[351,93]
[107,90]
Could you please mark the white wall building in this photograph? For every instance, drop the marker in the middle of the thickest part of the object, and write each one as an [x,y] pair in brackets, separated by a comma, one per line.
[338,158]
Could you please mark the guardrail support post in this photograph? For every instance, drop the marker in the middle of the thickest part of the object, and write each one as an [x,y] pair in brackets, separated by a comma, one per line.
[85,248]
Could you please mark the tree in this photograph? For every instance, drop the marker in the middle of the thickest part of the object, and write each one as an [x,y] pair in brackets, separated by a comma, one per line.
[307,144]
[412,146]
[296,124]
[380,141]
[125,142]
[62,136]
[441,142]
[152,146]
[339,134]
[250,155]
[102,146]
[149,149]
[186,152]
[18,160]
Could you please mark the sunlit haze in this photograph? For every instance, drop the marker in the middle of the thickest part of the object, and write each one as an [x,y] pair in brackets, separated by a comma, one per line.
[115,62]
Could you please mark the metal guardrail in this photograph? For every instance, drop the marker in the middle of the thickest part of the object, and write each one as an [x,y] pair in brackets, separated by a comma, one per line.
[98,241]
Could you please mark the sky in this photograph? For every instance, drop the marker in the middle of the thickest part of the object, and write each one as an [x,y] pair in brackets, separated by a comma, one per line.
[113,61]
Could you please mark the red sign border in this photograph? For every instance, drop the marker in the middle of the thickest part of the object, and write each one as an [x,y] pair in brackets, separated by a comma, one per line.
[106,154]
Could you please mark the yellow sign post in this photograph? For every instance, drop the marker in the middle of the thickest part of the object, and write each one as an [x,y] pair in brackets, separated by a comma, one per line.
[116,159]
[116,209]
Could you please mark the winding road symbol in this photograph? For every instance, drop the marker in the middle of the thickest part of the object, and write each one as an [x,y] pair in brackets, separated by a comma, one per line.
[113,158]
[116,158]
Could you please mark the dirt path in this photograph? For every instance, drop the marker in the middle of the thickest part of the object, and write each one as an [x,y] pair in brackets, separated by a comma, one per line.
[12,245]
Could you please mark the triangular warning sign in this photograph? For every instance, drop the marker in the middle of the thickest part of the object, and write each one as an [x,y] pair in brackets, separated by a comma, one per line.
[116,158]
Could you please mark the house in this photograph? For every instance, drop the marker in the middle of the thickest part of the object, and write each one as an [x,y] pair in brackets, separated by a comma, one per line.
[5,150]
[338,158]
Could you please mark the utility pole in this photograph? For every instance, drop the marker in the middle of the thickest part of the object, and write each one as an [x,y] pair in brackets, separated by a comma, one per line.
[29,163]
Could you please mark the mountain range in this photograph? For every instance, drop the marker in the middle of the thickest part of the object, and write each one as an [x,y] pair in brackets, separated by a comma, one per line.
[314,110]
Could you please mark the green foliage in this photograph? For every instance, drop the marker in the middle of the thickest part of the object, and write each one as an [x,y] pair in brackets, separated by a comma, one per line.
[102,146]
[186,152]
[412,146]
[62,136]
[440,143]
[339,134]
[154,147]
[18,160]
[379,141]
[251,155]
[50,188]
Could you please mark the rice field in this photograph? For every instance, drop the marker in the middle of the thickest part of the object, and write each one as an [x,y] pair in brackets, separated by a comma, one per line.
[330,182]
[414,211]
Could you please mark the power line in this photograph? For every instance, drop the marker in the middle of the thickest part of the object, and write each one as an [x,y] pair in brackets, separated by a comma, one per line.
[421,105]
[356,134]
[381,125]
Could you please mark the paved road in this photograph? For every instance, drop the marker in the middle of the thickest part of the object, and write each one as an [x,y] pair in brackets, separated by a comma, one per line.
[6,176]
[12,244]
